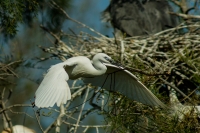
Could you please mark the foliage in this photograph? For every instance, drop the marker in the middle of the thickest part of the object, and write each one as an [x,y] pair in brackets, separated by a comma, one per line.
[12,12]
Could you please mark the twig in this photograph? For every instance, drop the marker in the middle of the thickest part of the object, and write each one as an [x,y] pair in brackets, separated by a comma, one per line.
[79,117]
[186,16]
[16,105]
[6,118]
[59,119]
[91,126]
[38,120]
[68,17]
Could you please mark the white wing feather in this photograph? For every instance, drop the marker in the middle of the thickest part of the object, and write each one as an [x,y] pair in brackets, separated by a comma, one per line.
[126,83]
[54,87]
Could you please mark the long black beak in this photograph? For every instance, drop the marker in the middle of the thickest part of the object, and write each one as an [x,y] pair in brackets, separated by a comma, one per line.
[115,62]
[112,61]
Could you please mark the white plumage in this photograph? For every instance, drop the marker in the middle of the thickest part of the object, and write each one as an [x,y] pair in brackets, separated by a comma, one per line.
[55,90]
[178,109]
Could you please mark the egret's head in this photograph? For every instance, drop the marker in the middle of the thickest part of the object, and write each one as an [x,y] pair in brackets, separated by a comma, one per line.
[104,58]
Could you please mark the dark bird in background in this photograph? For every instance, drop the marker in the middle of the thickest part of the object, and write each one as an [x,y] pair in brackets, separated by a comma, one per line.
[139,17]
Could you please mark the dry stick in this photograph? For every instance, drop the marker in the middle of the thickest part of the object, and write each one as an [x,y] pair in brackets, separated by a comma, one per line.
[181,4]
[59,119]
[14,112]
[11,63]
[97,129]
[55,122]
[6,119]
[59,44]
[176,2]
[84,131]
[50,127]
[102,102]
[9,95]
[68,49]
[91,126]
[143,47]
[122,50]
[38,120]
[78,92]
[5,123]
[176,28]
[189,94]
[8,68]
[68,17]
[155,45]
[186,16]
[79,117]
[6,74]
[16,105]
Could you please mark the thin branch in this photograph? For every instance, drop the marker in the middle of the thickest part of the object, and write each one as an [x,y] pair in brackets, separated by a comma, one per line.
[68,17]
[91,126]
[79,117]
[16,105]
[6,119]
[186,16]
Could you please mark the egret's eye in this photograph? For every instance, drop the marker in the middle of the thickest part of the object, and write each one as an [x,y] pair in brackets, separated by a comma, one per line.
[107,58]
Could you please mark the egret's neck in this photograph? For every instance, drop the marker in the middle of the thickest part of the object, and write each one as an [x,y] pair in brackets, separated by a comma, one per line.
[99,67]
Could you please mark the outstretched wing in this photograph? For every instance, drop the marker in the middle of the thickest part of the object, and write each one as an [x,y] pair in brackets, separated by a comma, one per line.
[121,80]
[54,87]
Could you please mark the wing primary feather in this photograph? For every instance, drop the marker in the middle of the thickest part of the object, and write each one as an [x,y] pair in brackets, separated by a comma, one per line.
[142,94]
[126,83]
[45,99]
[42,98]
[51,98]
[53,87]
[151,99]
[138,93]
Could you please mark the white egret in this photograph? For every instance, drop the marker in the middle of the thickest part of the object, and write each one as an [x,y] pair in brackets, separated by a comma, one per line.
[55,90]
